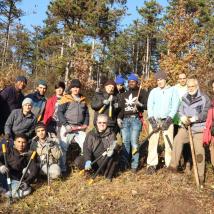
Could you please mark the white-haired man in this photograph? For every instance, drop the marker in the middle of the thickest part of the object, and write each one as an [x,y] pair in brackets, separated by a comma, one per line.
[192,111]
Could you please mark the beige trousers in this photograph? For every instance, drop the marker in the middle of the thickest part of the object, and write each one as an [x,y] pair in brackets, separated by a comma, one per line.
[152,159]
[180,139]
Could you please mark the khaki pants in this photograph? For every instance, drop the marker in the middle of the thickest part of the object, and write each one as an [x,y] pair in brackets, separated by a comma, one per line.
[183,137]
[152,159]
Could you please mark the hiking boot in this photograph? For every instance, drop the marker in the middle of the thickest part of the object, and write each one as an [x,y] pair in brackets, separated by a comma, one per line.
[151,170]
[188,168]
[134,170]
[172,169]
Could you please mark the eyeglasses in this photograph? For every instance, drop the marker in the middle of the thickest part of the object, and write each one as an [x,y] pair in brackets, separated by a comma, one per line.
[101,122]
[182,78]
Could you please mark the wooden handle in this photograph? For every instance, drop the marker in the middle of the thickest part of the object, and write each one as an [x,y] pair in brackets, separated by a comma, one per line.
[193,157]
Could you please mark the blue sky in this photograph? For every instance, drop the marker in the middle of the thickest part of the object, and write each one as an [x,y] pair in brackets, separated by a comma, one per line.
[35,11]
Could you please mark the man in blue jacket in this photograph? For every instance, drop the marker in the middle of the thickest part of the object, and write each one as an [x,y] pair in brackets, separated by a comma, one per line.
[162,106]
[39,100]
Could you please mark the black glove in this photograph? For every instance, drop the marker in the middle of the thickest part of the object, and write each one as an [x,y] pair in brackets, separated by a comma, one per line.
[166,124]
[153,123]
[7,137]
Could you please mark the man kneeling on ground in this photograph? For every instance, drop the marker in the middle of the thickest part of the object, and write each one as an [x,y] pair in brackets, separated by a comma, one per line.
[100,140]
[17,160]
[47,148]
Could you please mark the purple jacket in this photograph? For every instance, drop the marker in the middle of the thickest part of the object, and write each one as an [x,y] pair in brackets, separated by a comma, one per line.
[197,106]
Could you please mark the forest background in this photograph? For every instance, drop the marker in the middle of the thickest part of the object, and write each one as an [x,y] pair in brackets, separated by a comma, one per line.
[86,40]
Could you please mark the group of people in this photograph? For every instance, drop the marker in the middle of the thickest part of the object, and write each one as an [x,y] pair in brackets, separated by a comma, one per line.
[50,126]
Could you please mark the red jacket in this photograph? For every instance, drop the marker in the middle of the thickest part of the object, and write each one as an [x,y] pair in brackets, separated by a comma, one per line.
[49,109]
[207,138]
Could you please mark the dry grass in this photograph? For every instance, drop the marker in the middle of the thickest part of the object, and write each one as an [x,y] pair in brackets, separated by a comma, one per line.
[128,193]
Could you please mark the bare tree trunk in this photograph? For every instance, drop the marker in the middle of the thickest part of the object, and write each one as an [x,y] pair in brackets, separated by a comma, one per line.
[137,58]
[92,56]
[7,35]
[62,46]
[147,57]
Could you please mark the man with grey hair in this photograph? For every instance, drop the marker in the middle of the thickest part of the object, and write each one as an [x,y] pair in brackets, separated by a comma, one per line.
[21,121]
[97,141]
[192,111]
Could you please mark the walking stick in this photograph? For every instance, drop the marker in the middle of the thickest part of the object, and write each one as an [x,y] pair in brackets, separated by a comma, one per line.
[193,157]
[7,174]
[23,175]
[48,174]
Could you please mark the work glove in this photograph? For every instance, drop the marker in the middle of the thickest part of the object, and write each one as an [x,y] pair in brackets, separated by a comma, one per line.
[109,152]
[153,123]
[68,128]
[115,105]
[24,171]
[7,137]
[185,120]
[166,124]
[88,165]
[138,103]
[51,144]
[3,169]
[106,102]
[193,119]
[120,123]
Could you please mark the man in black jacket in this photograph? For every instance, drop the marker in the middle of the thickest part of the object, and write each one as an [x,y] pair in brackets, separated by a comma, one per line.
[17,159]
[11,98]
[100,140]
[105,102]
[132,103]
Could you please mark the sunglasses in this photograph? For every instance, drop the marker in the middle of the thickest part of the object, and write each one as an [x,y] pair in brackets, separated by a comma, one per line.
[101,122]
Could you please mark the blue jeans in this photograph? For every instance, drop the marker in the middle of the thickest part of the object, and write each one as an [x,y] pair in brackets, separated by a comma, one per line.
[14,183]
[132,127]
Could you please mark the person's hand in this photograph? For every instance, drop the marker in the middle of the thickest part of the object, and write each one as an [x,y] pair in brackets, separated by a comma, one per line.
[109,152]
[7,137]
[193,119]
[106,102]
[166,124]
[185,120]
[153,123]
[88,165]
[68,128]
[3,169]
[120,123]
[115,105]
[24,171]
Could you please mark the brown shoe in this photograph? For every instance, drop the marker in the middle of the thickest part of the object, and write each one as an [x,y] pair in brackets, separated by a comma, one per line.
[172,169]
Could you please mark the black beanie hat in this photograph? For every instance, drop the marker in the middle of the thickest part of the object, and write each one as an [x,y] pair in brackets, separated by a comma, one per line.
[110,82]
[75,83]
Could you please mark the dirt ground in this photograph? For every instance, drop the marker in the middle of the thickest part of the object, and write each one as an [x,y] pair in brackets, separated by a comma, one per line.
[131,193]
